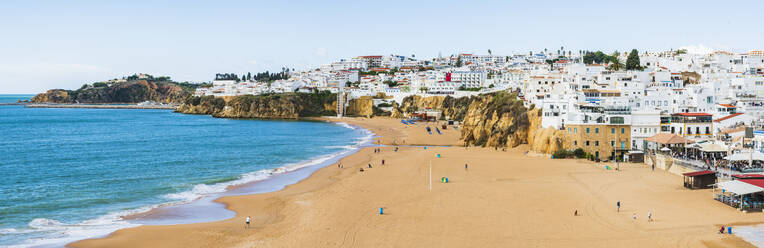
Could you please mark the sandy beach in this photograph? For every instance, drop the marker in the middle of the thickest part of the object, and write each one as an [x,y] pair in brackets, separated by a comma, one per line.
[503,199]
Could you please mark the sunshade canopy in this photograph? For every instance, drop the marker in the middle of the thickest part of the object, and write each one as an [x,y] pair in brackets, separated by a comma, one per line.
[739,187]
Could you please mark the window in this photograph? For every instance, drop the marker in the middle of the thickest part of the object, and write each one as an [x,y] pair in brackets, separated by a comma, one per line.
[575,142]
[596,143]
[596,154]
[697,130]
[672,129]
[575,130]
[587,143]
[612,143]
[612,130]
[623,130]
[568,130]
[689,130]
[707,131]
[623,145]
[587,130]
[596,130]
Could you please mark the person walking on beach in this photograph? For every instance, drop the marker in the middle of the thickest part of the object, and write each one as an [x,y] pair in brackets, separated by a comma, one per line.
[649,216]
[383,162]
[618,204]
[653,167]
[247,222]
[465,166]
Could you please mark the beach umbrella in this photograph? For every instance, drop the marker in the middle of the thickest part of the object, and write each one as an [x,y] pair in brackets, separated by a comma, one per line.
[665,149]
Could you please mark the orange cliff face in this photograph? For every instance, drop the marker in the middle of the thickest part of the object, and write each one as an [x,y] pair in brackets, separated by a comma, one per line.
[53,96]
[492,120]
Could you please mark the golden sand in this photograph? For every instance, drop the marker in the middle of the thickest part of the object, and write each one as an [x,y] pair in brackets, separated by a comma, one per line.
[504,199]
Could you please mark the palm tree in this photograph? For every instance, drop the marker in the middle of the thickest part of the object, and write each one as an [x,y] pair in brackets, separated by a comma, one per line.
[489,51]
[615,63]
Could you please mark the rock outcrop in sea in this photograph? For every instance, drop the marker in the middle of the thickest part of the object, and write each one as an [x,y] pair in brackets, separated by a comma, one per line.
[122,92]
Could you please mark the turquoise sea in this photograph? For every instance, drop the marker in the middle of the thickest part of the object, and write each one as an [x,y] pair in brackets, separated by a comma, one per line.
[70,174]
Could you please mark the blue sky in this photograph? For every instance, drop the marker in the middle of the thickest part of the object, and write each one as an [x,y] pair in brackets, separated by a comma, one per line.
[63,44]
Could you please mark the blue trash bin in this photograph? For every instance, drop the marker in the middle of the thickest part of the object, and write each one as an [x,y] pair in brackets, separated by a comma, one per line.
[729,230]
[380,211]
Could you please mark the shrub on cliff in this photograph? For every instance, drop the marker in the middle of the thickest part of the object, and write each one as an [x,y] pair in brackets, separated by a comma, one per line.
[579,153]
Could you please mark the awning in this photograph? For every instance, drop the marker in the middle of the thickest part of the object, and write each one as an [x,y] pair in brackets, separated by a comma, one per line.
[743,156]
[739,188]
[699,173]
[711,147]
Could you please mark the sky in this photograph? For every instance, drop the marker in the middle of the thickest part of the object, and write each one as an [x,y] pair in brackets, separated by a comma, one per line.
[64,44]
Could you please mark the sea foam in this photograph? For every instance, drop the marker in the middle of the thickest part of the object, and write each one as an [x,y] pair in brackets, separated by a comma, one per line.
[57,234]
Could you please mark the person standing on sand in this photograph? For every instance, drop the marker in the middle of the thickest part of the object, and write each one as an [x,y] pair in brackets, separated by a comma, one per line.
[383,162]
[618,204]
[649,216]
[465,166]
[247,222]
[369,165]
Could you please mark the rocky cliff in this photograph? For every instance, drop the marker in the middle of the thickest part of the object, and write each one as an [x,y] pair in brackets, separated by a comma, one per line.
[491,120]
[123,92]
[453,108]
[362,106]
[272,106]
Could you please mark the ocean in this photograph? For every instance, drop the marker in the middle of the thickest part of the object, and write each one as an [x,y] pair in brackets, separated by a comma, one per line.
[71,174]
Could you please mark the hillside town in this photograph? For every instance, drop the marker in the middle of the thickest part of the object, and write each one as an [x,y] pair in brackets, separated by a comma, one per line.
[618,106]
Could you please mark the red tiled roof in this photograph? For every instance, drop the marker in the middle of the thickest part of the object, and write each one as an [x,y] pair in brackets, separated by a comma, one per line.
[669,138]
[699,173]
[757,182]
[748,176]
[727,117]
[727,105]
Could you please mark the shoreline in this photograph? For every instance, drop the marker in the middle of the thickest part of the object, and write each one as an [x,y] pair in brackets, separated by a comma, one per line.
[205,208]
[277,179]
[284,217]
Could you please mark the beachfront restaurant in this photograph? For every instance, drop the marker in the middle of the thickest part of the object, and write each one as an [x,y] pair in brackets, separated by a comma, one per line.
[666,142]
[746,162]
[699,179]
[742,194]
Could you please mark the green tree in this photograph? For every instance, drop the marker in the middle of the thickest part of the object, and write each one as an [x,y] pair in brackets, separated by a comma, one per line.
[632,62]
[489,51]
[459,61]
[615,64]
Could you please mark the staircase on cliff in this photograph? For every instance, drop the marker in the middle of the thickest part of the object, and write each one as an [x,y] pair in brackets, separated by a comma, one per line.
[341,101]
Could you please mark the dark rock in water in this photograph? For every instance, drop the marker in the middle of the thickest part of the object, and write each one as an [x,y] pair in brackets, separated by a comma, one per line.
[119,92]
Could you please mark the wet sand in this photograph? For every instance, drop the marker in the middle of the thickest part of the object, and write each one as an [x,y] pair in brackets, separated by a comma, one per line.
[504,199]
